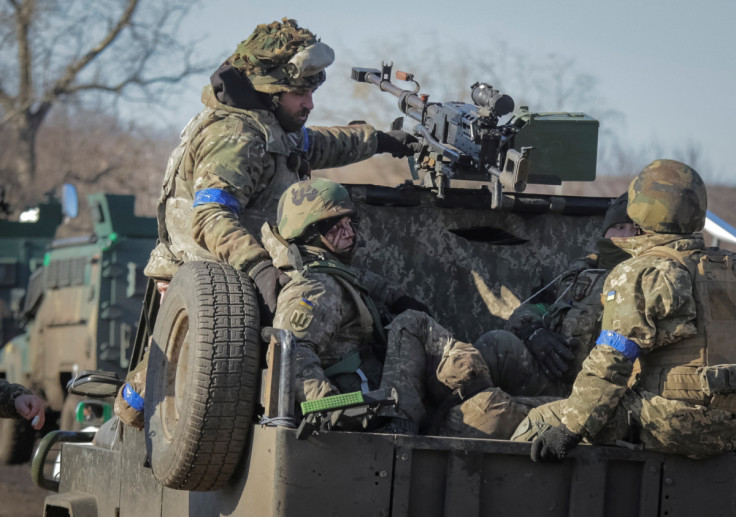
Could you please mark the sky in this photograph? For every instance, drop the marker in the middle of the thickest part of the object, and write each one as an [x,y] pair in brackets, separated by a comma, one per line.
[667,66]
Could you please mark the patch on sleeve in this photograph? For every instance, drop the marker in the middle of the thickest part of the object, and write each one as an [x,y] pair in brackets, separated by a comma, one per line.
[611,295]
[300,318]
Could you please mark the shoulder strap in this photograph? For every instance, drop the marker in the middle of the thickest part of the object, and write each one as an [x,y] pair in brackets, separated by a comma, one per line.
[349,279]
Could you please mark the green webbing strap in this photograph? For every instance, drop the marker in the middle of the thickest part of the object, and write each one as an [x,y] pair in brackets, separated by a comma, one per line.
[331,267]
[333,402]
[348,364]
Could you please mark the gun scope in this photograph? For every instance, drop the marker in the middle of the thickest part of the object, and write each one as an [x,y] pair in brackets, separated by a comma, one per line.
[484,95]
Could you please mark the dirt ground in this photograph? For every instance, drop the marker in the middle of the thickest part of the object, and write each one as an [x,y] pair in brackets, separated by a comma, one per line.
[19,497]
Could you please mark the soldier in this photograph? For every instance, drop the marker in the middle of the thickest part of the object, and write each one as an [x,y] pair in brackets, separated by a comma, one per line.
[543,347]
[241,152]
[335,312]
[672,306]
[236,158]
[17,401]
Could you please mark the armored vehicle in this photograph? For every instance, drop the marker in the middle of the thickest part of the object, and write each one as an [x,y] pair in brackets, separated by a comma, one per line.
[23,247]
[221,435]
[80,308]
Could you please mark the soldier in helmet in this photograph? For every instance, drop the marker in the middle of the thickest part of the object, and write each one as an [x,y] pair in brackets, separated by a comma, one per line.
[18,402]
[672,306]
[245,148]
[536,359]
[337,314]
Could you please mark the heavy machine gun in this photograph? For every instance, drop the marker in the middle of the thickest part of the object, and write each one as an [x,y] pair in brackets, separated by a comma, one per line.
[466,141]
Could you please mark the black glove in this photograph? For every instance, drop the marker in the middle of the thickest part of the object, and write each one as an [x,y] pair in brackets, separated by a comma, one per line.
[553,444]
[398,143]
[404,303]
[269,280]
[551,350]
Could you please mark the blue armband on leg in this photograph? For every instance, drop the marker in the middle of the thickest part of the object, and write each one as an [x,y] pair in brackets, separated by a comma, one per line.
[132,397]
[618,342]
[219,196]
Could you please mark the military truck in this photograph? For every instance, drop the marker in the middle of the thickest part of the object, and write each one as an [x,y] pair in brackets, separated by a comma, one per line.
[79,310]
[23,246]
[222,436]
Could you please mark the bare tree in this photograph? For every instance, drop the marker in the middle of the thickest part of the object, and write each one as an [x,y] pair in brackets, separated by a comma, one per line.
[56,51]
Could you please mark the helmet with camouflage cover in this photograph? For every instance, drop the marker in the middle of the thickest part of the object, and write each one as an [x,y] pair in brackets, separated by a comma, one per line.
[668,197]
[282,57]
[309,202]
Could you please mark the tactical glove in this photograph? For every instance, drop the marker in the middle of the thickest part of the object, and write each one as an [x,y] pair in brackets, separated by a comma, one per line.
[551,350]
[404,303]
[268,280]
[553,444]
[398,143]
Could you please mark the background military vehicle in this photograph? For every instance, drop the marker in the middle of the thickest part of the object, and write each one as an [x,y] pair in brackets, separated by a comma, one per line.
[220,437]
[79,310]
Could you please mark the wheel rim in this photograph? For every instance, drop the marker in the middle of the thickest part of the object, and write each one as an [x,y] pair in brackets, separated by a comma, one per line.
[177,355]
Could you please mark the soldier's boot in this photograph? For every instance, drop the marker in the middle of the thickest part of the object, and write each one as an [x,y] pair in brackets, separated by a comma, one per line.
[491,413]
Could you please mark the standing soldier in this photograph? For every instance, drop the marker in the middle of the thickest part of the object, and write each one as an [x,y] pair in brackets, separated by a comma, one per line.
[537,358]
[17,401]
[672,306]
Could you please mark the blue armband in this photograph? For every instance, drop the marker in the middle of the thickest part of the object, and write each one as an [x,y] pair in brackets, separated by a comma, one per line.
[132,398]
[305,140]
[219,196]
[618,342]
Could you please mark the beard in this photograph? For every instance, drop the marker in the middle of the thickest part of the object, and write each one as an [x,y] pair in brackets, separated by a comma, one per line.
[291,122]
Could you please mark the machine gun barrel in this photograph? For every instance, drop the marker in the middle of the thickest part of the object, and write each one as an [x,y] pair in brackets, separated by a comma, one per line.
[410,103]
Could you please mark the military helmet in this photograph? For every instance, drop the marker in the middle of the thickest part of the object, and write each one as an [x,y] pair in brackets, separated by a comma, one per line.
[668,197]
[309,202]
[616,213]
[282,57]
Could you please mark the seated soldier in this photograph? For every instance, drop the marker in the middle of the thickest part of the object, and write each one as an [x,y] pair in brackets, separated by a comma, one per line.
[542,350]
[333,310]
[672,307]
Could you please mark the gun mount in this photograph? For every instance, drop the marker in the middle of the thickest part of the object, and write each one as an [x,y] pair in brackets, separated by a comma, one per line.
[465,141]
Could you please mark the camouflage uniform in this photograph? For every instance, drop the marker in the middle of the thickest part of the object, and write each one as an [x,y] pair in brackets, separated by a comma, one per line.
[520,381]
[331,318]
[673,303]
[225,177]
[8,393]
[330,322]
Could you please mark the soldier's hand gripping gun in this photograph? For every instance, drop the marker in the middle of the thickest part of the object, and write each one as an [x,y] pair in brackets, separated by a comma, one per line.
[466,141]
[348,410]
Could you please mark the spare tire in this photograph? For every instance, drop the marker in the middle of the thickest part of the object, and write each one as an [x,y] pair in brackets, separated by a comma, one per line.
[203,376]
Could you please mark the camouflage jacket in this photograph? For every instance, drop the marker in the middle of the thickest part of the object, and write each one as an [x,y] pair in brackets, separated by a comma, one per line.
[575,312]
[8,393]
[648,300]
[328,320]
[246,154]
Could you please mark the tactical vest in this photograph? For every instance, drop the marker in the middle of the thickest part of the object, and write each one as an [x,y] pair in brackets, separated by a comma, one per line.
[679,371]
[368,364]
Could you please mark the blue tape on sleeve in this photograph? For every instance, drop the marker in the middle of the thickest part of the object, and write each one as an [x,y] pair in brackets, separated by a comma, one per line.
[618,342]
[132,398]
[216,195]
[305,140]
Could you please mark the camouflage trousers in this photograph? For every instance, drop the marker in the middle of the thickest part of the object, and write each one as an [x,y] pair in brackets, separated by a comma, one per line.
[518,386]
[662,425]
[425,364]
